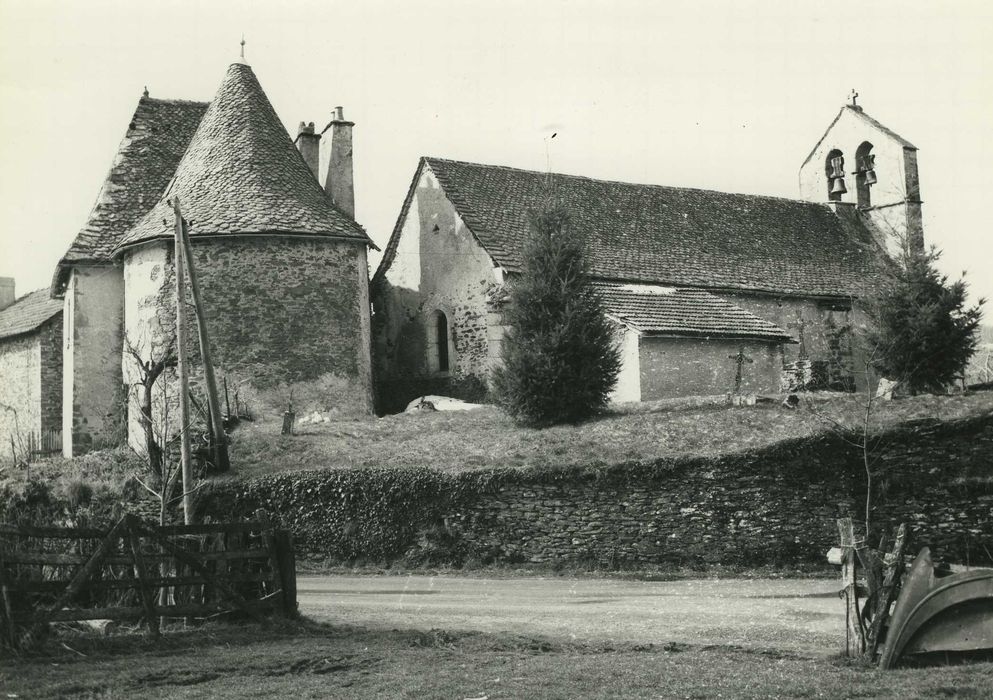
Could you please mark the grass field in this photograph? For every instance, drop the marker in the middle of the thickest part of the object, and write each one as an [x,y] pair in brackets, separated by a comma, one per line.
[308,660]
[485,437]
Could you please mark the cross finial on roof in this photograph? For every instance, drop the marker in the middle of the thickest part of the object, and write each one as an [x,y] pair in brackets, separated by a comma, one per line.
[242,47]
[854,96]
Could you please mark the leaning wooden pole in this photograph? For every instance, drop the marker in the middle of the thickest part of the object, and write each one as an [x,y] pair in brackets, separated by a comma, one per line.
[220,442]
[182,370]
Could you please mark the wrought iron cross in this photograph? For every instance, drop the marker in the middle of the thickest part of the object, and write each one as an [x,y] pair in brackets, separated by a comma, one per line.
[800,324]
[739,359]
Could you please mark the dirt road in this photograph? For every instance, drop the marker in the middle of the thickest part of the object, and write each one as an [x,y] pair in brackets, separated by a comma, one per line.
[801,616]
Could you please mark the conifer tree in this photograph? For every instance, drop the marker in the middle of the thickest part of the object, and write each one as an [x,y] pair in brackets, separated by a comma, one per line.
[920,331]
[560,357]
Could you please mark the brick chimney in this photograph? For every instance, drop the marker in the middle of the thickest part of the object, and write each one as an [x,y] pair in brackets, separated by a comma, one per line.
[309,145]
[6,292]
[339,185]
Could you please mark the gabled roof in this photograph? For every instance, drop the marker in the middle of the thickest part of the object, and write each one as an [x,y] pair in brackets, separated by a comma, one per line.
[156,139]
[241,174]
[860,113]
[669,311]
[664,235]
[28,312]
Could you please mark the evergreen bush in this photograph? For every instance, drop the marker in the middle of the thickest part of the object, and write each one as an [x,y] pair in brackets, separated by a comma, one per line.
[560,356]
[920,331]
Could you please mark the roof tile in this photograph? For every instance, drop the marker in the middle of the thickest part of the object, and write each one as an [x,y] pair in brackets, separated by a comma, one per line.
[241,174]
[668,235]
[28,312]
[694,312]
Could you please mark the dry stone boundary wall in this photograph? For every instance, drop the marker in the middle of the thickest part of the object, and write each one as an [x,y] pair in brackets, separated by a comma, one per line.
[772,506]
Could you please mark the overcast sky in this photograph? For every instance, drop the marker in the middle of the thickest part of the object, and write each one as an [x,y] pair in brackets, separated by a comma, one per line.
[724,95]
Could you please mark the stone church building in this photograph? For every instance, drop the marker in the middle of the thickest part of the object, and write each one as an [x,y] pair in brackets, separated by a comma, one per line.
[700,283]
[281,262]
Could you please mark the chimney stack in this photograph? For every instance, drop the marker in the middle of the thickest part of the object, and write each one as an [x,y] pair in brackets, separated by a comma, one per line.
[309,145]
[339,185]
[6,292]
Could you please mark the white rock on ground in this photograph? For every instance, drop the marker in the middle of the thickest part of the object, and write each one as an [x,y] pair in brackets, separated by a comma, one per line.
[440,403]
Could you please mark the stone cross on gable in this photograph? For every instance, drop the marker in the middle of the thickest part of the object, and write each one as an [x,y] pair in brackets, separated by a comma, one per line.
[739,359]
[800,324]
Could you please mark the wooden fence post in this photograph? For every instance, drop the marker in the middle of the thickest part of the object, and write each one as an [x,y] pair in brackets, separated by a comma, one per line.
[854,639]
[278,559]
[147,598]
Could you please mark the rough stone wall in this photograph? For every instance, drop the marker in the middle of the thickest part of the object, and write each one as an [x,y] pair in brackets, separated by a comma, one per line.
[823,323]
[674,367]
[20,390]
[93,317]
[774,505]
[50,349]
[288,317]
[894,206]
[439,266]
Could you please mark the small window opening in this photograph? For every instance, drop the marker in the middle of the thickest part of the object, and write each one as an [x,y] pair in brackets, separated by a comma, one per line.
[441,340]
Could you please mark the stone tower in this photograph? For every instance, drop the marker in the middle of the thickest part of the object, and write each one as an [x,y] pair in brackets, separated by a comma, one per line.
[283,271]
[865,170]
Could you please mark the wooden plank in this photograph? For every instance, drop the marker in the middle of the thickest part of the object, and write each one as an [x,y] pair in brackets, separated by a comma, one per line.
[136,612]
[66,533]
[208,528]
[125,583]
[6,623]
[198,566]
[147,600]
[58,559]
[854,641]
[893,569]
[288,570]
[270,543]
[86,572]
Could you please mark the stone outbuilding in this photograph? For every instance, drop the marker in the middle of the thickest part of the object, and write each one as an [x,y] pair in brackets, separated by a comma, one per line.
[701,283]
[30,373]
[280,259]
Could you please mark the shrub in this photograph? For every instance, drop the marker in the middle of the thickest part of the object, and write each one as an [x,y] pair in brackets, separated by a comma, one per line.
[920,331]
[560,357]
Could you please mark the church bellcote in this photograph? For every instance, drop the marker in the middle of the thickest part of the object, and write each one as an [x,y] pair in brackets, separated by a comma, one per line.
[862,168]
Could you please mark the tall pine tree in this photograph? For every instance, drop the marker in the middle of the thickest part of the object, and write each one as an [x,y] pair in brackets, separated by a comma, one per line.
[560,357]
[920,332]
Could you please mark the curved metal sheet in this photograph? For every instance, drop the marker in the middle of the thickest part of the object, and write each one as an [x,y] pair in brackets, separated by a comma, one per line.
[955,616]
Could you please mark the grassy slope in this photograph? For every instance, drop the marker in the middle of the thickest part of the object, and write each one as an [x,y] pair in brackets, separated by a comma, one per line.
[313,661]
[487,438]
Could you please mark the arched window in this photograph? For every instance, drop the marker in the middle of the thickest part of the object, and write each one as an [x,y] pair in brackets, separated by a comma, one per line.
[440,342]
[834,169]
[865,173]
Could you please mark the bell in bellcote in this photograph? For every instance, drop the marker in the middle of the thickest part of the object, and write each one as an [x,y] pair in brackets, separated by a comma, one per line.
[838,186]
[838,167]
[870,177]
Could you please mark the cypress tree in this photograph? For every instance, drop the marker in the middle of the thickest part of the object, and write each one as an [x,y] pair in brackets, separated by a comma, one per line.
[920,332]
[560,357]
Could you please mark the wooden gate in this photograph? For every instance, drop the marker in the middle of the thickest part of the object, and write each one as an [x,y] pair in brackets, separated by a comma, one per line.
[137,570]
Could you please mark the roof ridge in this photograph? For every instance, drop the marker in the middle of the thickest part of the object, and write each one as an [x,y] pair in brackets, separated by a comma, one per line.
[623,182]
[172,100]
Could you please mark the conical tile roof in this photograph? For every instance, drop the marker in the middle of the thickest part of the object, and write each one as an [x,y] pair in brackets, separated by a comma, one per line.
[241,174]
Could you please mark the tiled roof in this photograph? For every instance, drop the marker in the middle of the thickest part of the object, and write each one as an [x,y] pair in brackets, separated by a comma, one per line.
[27,313]
[156,139]
[666,235]
[658,310]
[241,174]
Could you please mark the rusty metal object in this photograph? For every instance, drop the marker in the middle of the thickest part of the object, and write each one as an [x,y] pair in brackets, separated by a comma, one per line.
[951,613]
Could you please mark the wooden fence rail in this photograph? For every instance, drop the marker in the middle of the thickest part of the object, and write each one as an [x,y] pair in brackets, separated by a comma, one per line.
[136,570]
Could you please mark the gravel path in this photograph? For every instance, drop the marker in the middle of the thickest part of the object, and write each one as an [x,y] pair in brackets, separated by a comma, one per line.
[800,616]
